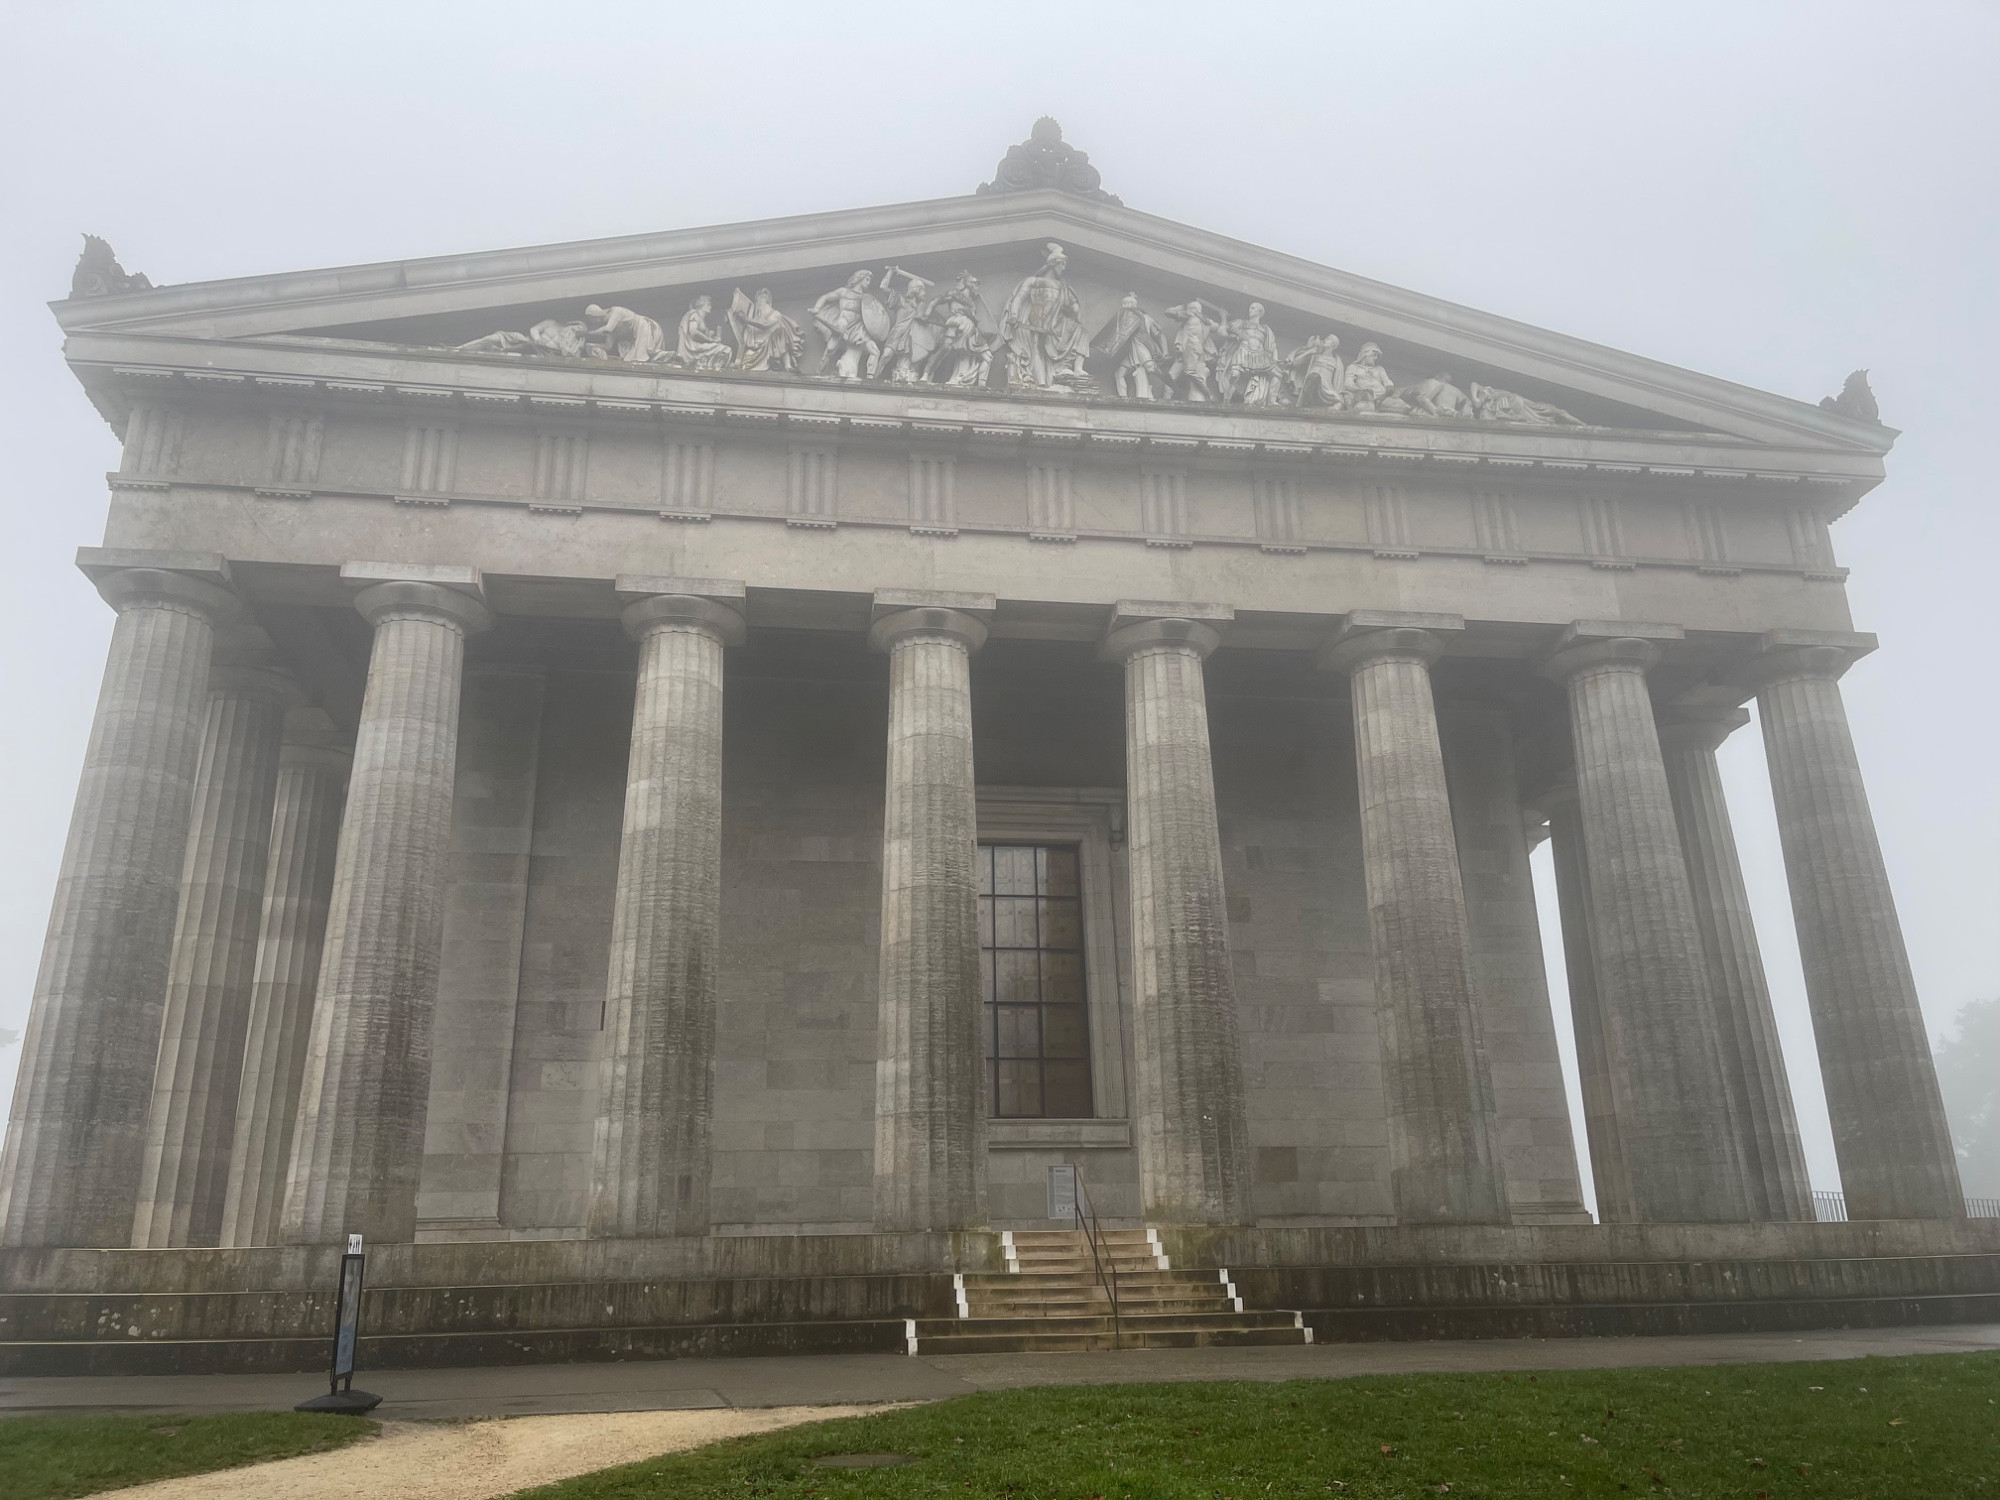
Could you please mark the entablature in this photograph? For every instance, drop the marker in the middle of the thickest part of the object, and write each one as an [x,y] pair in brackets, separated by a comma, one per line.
[123,371]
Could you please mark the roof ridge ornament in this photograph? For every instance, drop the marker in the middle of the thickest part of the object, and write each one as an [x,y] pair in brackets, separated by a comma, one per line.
[1046,160]
[1856,399]
[98,273]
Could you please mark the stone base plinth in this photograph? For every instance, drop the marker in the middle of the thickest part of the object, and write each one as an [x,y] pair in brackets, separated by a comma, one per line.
[83,1312]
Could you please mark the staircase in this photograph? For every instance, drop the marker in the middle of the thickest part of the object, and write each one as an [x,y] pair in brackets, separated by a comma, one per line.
[1051,1299]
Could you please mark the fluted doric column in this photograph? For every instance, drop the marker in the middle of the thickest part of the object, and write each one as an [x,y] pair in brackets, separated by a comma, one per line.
[298,885]
[651,1169]
[185,1177]
[1194,1147]
[1889,1130]
[930,1096]
[1673,1110]
[359,1146]
[1609,1173]
[76,1137]
[1752,1058]
[1442,1127]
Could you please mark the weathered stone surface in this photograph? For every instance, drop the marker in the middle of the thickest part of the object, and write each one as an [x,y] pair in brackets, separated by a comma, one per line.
[77,1134]
[195,1082]
[930,1104]
[1889,1129]
[480,968]
[1753,1060]
[305,832]
[1441,1114]
[361,1114]
[1194,1146]
[652,1165]
[1517,1022]
[1609,1172]
[1668,1093]
[292,456]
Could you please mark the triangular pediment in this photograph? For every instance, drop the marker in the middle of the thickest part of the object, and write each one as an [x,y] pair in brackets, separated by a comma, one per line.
[1000,240]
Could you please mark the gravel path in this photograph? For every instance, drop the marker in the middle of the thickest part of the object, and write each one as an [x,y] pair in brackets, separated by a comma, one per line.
[480,1460]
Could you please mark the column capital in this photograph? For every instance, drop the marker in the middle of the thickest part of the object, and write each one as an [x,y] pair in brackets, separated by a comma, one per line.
[899,613]
[1789,655]
[1585,644]
[1552,798]
[447,592]
[1147,624]
[714,616]
[255,680]
[1371,635]
[96,563]
[315,757]
[1698,725]
[139,588]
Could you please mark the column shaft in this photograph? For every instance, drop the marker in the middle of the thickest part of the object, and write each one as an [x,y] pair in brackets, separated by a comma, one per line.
[651,1173]
[1608,1170]
[930,1104]
[1753,1061]
[360,1133]
[1194,1149]
[1674,1116]
[200,1067]
[77,1132]
[1889,1129]
[298,885]
[1442,1127]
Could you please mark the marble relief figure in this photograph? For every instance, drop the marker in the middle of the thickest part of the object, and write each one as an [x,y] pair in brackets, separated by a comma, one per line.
[912,338]
[765,338]
[1437,397]
[968,338]
[1367,387]
[1492,404]
[854,322]
[1138,347]
[1248,368]
[550,336]
[697,346]
[1194,351]
[624,335]
[1043,330]
[1316,371]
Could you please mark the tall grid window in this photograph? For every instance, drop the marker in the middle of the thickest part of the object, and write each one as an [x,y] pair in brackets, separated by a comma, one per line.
[1031,975]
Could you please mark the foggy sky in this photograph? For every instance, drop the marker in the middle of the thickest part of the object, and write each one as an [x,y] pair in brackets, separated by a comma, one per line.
[1772,193]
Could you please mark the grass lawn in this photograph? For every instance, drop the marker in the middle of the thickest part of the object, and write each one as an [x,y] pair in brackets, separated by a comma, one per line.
[42,1458]
[1894,1429]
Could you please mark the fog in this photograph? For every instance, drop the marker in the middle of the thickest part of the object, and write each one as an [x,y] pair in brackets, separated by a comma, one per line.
[1772,193]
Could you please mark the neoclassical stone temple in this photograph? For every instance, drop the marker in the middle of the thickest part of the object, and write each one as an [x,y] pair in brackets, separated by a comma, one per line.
[791,729]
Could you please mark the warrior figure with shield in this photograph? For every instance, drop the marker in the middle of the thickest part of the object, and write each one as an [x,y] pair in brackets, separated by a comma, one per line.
[855,324]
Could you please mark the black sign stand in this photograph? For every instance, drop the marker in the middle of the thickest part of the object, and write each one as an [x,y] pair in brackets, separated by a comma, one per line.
[343,1397]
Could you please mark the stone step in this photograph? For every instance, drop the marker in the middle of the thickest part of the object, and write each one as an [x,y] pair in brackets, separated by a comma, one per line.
[1009,1305]
[1102,1323]
[1145,1276]
[1072,1335]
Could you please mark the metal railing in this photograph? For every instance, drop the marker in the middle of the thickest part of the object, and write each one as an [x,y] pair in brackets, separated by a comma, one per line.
[1101,1256]
[1831,1208]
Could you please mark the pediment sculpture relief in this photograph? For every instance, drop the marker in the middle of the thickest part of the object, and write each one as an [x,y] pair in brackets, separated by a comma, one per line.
[905,329]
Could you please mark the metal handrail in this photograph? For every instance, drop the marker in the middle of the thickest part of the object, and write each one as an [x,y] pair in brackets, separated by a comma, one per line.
[1093,1234]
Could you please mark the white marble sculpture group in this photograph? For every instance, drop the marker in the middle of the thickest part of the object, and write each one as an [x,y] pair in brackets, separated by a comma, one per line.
[906,330]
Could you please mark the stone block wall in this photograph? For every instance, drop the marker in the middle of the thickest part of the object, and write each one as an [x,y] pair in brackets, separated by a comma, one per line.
[542,777]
